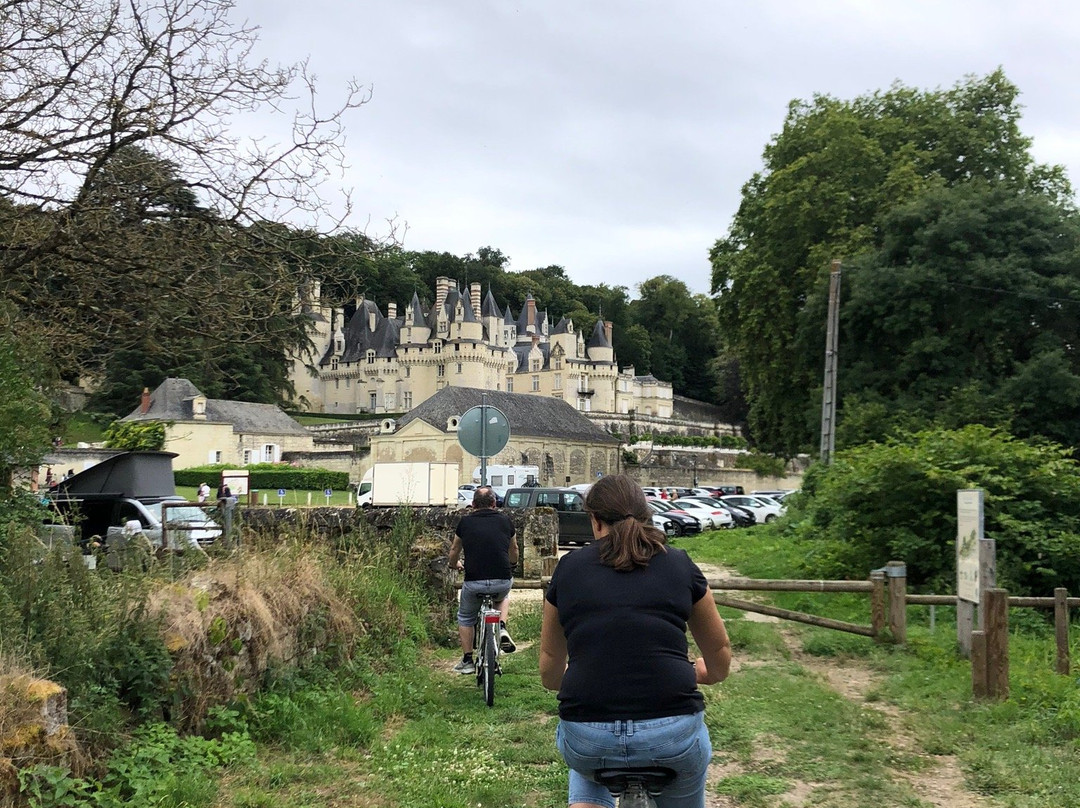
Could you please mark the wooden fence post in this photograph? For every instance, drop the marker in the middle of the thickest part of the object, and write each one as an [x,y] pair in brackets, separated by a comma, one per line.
[995,606]
[896,572]
[1061,629]
[978,664]
[877,603]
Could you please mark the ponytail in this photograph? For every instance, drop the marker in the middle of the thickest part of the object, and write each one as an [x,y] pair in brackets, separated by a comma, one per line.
[632,540]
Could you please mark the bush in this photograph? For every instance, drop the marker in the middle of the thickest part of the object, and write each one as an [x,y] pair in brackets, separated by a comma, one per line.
[266,476]
[897,500]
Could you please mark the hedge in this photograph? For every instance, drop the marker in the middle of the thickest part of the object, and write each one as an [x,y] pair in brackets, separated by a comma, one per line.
[266,476]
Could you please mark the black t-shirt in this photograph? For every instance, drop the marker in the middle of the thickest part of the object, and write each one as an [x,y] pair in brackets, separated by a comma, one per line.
[626,636]
[485,537]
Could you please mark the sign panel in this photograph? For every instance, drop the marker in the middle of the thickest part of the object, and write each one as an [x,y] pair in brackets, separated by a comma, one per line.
[237,480]
[969,530]
[483,431]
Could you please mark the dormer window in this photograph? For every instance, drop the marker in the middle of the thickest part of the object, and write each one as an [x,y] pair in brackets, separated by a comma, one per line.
[333,364]
[371,357]
[436,347]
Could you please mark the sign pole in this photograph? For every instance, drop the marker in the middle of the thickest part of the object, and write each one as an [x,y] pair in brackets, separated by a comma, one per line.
[483,439]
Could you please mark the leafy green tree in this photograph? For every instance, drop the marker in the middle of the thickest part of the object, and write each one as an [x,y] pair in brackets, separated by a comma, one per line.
[969,310]
[897,500]
[683,335]
[135,436]
[25,411]
[830,177]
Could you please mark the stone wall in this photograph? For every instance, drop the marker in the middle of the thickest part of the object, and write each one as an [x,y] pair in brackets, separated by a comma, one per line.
[537,529]
[684,465]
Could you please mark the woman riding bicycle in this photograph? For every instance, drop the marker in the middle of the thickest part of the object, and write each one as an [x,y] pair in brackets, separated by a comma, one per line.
[613,643]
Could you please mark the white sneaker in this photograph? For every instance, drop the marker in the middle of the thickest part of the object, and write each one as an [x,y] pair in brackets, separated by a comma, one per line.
[465,666]
[506,644]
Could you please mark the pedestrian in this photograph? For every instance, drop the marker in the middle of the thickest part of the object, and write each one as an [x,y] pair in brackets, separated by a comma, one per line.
[224,493]
[486,537]
[613,644]
[204,492]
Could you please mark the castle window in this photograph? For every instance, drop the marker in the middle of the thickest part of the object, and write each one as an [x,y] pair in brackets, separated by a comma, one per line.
[535,364]
[407,371]
[558,363]
[510,385]
[535,383]
[333,364]
[371,357]
[459,367]
[558,381]
[437,347]
[408,401]
[441,371]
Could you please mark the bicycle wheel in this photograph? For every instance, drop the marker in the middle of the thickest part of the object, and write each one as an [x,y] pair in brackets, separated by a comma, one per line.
[488,675]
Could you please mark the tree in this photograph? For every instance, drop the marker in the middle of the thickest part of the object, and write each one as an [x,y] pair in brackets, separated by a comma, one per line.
[135,436]
[969,307]
[831,175]
[25,411]
[683,331]
[124,195]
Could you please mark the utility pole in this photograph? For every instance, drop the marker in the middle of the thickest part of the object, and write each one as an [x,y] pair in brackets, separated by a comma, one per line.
[828,396]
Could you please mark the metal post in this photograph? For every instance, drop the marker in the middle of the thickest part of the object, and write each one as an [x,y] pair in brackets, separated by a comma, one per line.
[483,439]
[828,395]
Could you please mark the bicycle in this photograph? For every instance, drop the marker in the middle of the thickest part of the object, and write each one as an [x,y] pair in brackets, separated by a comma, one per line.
[635,787]
[486,648]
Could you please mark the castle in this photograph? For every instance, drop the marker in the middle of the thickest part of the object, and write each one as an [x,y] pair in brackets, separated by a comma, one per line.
[390,364]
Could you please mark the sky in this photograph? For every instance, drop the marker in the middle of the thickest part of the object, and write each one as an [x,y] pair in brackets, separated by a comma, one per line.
[613,137]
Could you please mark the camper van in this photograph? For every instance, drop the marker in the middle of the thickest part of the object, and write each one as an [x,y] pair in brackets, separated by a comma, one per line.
[501,478]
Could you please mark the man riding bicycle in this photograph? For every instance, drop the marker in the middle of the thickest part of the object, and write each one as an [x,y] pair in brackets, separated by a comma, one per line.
[486,536]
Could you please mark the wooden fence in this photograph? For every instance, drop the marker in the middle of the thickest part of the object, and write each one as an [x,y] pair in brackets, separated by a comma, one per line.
[889,600]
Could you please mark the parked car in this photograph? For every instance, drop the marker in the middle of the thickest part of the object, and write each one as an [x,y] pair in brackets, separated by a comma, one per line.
[710,516]
[726,490]
[775,493]
[665,524]
[742,517]
[765,510]
[655,492]
[574,524]
[686,523]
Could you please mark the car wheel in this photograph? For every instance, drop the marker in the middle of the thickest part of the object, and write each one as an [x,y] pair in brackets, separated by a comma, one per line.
[770,518]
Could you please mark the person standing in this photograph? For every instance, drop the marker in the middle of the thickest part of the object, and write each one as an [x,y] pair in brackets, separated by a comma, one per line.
[613,644]
[486,537]
[204,492]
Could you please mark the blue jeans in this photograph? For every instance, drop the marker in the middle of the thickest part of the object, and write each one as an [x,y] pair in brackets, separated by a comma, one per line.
[472,593]
[679,742]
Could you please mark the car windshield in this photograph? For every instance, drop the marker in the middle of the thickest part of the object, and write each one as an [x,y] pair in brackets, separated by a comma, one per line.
[183,514]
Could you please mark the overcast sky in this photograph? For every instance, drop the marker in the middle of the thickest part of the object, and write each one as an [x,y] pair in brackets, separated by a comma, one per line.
[612,137]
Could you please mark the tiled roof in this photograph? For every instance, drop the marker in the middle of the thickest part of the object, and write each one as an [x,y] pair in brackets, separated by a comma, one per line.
[531,416]
[171,401]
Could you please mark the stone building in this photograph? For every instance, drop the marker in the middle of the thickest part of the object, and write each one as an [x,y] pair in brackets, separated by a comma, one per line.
[544,431]
[379,363]
[204,430]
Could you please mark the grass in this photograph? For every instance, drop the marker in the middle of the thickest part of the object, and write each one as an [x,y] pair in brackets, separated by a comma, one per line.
[398,728]
[294,498]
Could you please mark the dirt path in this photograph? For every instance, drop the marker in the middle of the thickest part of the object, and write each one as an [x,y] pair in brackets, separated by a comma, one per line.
[939,782]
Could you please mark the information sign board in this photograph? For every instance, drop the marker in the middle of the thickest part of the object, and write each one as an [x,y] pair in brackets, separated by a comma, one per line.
[969,530]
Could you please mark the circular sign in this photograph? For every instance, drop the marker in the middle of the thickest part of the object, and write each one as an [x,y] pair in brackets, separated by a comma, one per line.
[483,431]
[281,492]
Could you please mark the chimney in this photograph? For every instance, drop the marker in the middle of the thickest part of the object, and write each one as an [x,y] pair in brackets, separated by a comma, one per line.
[391,310]
[144,406]
[530,320]
[475,288]
[607,331]
[442,287]
[371,319]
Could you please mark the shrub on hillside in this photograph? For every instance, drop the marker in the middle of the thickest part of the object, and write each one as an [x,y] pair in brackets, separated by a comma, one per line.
[897,501]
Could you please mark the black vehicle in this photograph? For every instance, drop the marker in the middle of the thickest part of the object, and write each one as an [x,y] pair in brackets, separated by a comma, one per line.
[686,523]
[574,525]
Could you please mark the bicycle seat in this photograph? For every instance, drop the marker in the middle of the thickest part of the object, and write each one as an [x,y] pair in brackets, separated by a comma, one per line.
[653,778]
